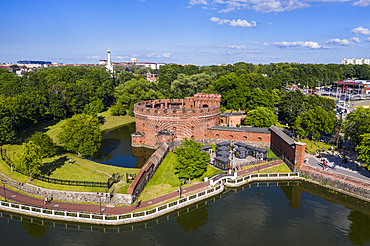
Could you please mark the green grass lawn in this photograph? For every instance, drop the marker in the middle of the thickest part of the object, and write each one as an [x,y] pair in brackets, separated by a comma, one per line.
[312,146]
[58,166]
[283,168]
[165,181]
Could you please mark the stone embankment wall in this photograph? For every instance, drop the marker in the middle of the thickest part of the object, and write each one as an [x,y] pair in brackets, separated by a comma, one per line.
[338,181]
[71,196]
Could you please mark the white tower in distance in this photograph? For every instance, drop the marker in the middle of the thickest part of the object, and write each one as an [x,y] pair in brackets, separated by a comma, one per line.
[109,63]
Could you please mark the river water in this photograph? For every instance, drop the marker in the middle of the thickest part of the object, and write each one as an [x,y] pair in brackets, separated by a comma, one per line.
[116,149]
[296,214]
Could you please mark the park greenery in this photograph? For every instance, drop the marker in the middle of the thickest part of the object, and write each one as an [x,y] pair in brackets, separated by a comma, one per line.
[81,134]
[79,94]
[191,161]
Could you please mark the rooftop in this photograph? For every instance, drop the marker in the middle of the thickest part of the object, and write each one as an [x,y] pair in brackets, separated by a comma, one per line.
[241,129]
[278,131]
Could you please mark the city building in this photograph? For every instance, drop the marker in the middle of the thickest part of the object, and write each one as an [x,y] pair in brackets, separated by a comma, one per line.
[351,87]
[198,118]
[355,61]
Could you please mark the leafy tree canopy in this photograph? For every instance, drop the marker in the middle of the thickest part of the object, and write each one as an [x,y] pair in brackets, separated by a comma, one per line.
[30,161]
[191,161]
[261,117]
[357,123]
[44,141]
[135,91]
[316,121]
[363,149]
[81,134]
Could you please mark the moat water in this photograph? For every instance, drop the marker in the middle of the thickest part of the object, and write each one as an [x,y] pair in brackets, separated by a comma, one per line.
[295,214]
[116,149]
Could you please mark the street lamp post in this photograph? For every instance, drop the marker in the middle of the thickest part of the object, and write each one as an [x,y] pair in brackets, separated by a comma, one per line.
[4,182]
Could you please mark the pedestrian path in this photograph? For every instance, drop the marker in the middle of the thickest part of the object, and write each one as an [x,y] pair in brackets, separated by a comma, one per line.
[17,197]
[349,169]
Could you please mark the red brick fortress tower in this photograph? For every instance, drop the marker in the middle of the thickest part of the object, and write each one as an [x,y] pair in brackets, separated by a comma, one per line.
[171,120]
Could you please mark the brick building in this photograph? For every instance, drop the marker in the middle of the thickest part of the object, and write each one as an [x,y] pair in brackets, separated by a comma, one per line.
[198,118]
[171,120]
[232,118]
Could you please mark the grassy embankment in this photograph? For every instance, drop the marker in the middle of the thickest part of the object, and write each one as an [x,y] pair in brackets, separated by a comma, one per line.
[312,146]
[165,181]
[58,166]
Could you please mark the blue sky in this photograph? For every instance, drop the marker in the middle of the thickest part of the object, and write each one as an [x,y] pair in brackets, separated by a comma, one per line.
[200,32]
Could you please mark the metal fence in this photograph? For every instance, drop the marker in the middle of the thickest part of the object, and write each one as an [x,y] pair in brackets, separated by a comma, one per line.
[8,161]
[72,182]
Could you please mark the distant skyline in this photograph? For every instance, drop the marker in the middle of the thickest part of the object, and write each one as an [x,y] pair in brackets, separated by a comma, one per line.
[200,32]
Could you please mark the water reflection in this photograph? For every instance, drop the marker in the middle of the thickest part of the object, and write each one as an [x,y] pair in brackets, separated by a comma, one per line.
[34,230]
[299,214]
[116,149]
[359,228]
[192,219]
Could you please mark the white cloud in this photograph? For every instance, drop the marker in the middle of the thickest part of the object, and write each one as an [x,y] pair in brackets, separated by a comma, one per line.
[237,47]
[120,57]
[195,2]
[367,40]
[361,30]
[303,44]
[237,23]
[266,6]
[362,3]
[355,39]
[166,55]
[93,57]
[337,41]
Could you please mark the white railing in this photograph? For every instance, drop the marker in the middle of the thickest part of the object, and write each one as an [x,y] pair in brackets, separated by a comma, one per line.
[110,219]
[230,180]
[233,180]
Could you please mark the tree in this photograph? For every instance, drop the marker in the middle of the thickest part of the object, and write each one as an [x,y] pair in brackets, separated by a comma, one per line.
[191,161]
[261,117]
[290,105]
[357,123]
[81,134]
[94,107]
[317,121]
[134,91]
[185,86]
[44,141]
[363,150]
[30,161]
[234,91]
[118,109]
[7,129]
[298,125]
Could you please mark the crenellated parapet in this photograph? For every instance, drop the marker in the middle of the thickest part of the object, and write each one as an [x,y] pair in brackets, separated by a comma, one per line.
[166,120]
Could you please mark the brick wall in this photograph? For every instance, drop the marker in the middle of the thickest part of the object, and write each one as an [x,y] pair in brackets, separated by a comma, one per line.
[251,138]
[189,117]
[147,171]
[285,149]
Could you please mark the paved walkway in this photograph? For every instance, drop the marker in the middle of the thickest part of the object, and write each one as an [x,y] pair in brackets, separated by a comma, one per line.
[350,169]
[93,208]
